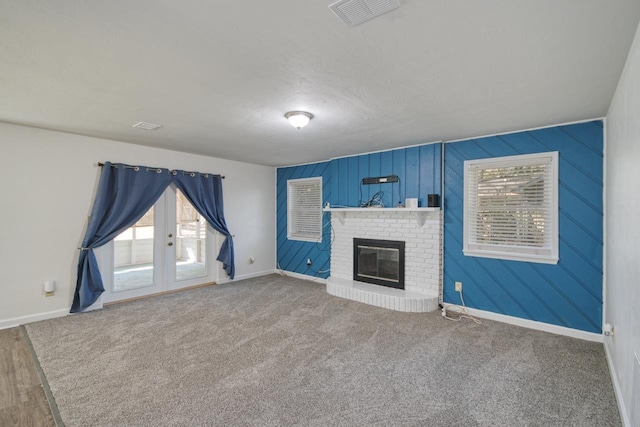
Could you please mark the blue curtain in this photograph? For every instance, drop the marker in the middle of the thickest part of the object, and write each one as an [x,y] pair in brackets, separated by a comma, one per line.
[125,193]
[204,192]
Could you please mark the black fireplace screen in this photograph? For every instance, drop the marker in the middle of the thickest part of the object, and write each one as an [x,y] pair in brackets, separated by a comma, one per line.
[380,262]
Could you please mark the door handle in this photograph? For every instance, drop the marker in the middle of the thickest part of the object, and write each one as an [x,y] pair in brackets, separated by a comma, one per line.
[170,244]
[170,234]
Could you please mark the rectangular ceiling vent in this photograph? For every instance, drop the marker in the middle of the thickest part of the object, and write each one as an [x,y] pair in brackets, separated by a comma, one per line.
[147,126]
[355,12]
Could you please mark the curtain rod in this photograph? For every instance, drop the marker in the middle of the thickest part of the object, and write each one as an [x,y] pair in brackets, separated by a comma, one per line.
[102,164]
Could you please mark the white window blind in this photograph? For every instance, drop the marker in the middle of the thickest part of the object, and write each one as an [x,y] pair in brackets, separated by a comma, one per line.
[304,209]
[511,208]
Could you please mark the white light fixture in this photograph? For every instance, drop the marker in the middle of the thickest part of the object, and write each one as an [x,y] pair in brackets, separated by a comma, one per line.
[298,119]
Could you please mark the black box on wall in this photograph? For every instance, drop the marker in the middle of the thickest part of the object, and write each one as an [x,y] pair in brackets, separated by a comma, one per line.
[433,201]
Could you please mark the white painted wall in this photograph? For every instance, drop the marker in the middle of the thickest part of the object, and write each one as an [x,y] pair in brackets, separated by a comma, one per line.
[48,183]
[622,184]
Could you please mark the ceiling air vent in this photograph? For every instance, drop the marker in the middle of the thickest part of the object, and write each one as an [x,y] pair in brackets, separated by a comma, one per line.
[147,126]
[355,12]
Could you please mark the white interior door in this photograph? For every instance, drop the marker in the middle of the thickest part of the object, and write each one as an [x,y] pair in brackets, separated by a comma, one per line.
[170,247]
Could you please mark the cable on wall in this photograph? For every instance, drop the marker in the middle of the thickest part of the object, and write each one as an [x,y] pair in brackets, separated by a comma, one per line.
[442,204]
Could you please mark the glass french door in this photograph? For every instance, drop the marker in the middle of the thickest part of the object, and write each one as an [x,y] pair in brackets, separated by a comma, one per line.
[170,247]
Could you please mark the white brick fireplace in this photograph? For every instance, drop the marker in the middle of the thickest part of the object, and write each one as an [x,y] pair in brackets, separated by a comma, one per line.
[419,228]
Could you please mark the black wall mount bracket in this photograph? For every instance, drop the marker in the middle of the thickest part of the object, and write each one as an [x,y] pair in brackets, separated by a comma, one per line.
[380,180]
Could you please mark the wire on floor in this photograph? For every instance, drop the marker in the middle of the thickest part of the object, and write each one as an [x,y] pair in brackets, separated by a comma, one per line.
[314,278]
[460,311]
[281,271]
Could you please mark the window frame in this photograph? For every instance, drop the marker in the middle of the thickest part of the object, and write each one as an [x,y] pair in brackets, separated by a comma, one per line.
[293,236]
[546,255]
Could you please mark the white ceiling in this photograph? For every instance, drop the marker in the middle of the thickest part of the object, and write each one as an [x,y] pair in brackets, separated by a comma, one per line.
[220,75]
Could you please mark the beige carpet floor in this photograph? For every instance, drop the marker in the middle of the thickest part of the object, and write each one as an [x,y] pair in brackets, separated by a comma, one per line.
[277,351]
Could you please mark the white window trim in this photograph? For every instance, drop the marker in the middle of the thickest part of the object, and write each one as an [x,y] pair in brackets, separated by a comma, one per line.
[514,253]
[317,239]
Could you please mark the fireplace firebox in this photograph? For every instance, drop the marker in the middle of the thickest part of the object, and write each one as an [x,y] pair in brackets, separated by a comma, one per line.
[380,262]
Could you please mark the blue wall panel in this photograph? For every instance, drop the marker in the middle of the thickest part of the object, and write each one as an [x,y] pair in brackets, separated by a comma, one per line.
[418,168]
[567,294]
[292,255]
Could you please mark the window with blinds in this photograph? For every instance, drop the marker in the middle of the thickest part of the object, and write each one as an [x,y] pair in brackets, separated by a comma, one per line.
[304,209]
[511,208]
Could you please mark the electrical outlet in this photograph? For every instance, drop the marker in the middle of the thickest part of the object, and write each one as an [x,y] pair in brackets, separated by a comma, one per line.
[308,262]
[458,286]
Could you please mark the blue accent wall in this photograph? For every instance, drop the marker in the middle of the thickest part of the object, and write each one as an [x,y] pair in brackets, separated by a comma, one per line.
[418,168]
[292,255]
[567,294]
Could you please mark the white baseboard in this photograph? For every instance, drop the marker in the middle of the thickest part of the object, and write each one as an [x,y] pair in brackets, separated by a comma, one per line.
[17,321]
[247,276]
[303,276]
[616,388]
[532,324]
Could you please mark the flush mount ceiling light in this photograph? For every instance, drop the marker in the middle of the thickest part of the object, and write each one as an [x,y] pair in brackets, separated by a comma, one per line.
[298,119]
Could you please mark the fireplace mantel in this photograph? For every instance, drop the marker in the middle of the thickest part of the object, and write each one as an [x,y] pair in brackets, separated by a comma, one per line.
[420,214]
